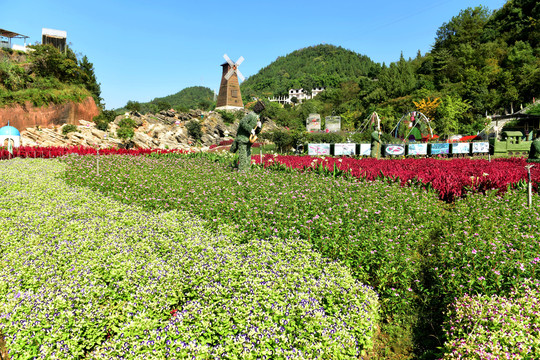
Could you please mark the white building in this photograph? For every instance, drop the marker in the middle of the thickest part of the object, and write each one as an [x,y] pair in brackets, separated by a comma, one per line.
[299,94]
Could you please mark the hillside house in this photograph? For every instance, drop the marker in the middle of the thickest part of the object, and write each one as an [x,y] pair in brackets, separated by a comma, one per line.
[299,94]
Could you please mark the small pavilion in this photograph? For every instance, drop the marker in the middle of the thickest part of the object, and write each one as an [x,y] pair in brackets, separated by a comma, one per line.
[10,133]
[12,35]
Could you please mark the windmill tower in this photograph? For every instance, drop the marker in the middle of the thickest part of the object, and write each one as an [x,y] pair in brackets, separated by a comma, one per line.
[229,97]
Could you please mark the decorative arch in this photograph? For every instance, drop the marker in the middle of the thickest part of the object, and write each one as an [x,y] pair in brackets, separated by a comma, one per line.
[418,120]
[5,139]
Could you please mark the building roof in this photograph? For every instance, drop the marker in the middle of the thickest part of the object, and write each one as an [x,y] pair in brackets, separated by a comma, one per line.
[11,34]
[9,131]
[60,34]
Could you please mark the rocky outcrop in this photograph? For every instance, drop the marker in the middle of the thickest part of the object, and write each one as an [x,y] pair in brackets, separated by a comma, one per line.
[27,116]
[165,130]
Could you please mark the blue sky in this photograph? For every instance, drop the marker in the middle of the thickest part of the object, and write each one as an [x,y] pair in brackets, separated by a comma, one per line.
[145,49]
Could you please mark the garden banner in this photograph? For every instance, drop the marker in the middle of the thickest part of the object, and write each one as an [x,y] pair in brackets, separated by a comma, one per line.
[345,149]
[440,148]
[394,150]
[461,148]
[365,150]
[318,149]
[480,147]
[417,149]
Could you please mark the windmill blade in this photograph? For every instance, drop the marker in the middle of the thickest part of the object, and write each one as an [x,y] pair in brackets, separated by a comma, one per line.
[229,74]
[239,61]
[240,75]
[228,60]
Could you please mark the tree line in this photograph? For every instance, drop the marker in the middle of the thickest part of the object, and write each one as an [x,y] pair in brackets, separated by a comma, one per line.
[481,62]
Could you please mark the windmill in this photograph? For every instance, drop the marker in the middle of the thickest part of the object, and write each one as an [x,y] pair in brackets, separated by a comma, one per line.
[229,97]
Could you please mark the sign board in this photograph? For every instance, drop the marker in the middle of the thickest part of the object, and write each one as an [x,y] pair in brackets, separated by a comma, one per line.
[333,123]
[318,149]
[345,149]
[313,122]
[365,150]
[417,149]
[440,148]
[394,150]
[461,148]
[480,147]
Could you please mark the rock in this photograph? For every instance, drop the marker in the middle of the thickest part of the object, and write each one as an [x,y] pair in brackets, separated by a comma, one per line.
[207,139]
[153,131]
[142,141]
[168,113]
[181,138]
[183,116]
[98,133]
[88,124]
[163,119]
[139,121]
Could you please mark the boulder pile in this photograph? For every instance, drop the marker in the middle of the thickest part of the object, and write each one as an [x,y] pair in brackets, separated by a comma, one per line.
[164,130]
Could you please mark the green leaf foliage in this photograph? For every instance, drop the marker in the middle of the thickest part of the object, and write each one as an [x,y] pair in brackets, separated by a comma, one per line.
[68,128]
[314,66]
[125,132]
[46,75]
[195,97]
[420,254]
[194,129]
[486,59]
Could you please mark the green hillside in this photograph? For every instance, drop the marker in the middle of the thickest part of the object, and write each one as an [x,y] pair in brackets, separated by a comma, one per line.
[314,66]
[194,97]
[191,97]
[46,75]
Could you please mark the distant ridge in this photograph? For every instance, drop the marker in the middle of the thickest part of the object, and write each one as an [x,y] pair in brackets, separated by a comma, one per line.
[190,97]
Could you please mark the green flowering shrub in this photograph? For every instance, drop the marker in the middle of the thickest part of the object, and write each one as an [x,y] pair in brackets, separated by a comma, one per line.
[66,129]
[377,229]
[85,276]
[495,327]
[417,252]
[194,129]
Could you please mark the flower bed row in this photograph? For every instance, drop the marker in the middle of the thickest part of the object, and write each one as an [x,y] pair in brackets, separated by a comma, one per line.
[418,252]
[450,178]
[339,217]
[57,151]
[83,276]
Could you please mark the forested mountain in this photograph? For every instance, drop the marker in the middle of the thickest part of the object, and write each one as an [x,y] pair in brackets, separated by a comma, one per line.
[195,97]
[321,65]
[191,98]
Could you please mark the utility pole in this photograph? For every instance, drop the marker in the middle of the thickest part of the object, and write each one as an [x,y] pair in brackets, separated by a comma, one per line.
[529,185]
